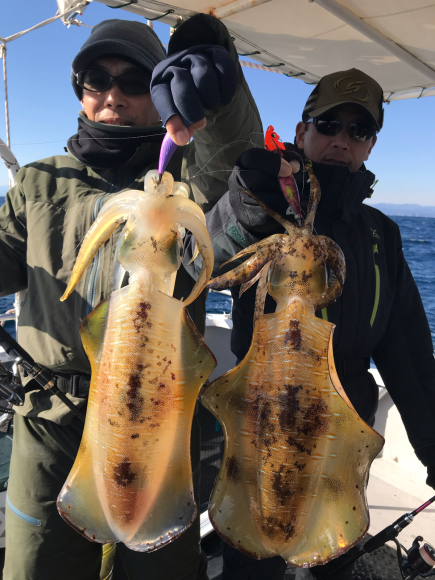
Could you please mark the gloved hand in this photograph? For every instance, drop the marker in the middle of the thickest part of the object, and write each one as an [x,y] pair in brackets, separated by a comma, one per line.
[431,476]
[258,170]
[190,81]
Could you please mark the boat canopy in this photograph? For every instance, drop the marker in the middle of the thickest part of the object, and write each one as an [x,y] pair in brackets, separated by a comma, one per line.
[393,41]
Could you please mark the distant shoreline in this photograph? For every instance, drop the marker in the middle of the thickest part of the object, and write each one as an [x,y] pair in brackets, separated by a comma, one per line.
[406,209]
[390,209]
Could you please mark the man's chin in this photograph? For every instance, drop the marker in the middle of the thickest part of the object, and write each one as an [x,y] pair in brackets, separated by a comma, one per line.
[336,162]
[116,123]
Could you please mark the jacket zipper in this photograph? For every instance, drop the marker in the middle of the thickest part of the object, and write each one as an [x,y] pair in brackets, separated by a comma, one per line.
[90,295]
[378,284]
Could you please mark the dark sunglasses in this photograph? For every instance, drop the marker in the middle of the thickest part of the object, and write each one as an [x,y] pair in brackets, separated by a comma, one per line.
[98,81]
[331,127]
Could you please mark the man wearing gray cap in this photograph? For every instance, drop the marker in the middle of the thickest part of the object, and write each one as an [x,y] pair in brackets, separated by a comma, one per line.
[200,85]
[379,314]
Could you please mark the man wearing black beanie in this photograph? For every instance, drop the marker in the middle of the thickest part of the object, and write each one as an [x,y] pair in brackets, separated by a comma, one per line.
[127,88]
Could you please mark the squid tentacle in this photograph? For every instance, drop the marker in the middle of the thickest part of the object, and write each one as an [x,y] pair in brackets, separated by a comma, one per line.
[246,285]
[187,205]
[100,231]
[260,296]
[180,203]
[192,222]
[335,260]
[245,271]
[277,238]
[250,250]
[288,226]
[314,199]
[195,255]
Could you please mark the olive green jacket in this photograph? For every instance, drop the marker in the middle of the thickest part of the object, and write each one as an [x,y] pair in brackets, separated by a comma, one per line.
[48,212]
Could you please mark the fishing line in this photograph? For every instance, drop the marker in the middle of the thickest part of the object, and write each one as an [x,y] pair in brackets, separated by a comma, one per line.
[119,139]
[208,173]
[90,139]
[224,147]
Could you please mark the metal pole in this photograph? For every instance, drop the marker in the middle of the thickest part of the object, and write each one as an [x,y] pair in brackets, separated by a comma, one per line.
[348,17]
[5,78]
[235,7]
[11,174]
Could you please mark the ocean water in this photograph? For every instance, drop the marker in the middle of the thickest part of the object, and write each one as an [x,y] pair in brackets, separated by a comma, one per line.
[418,236]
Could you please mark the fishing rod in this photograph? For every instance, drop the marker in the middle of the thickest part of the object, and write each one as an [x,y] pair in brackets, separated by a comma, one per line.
[46,379]
[420,560]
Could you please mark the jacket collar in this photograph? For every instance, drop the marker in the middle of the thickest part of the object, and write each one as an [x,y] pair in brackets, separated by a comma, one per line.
[342,192]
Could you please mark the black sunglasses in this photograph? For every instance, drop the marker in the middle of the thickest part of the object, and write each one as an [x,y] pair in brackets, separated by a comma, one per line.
[331,127]
[132,82]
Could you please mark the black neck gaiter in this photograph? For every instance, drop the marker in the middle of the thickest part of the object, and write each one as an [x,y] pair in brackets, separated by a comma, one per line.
[105,146]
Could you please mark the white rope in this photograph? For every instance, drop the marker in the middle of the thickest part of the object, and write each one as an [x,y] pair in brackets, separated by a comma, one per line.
[260,67]
[76,8]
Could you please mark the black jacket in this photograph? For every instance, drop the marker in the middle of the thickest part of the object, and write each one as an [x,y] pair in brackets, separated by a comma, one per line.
[378,315]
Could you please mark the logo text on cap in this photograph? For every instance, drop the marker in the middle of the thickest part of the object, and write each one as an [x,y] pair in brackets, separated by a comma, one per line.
[354,86]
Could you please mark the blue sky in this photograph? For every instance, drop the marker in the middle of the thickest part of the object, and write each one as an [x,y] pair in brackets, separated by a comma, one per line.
[43,107]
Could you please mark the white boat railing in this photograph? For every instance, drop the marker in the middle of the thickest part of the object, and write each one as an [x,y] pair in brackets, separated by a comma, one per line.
[4,317]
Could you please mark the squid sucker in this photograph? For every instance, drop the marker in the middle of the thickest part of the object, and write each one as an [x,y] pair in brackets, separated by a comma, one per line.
[297,454]
[132,481]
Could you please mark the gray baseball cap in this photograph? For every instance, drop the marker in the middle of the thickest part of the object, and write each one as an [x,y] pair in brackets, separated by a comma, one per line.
[346,87]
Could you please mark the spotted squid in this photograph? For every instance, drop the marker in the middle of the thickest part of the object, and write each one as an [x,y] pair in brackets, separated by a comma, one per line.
[297,454]
[131,481]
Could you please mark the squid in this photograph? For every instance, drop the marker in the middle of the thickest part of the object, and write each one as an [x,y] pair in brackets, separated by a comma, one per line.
[297,455]
[131,481]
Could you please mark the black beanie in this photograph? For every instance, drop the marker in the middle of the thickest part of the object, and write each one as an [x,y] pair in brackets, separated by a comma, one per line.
[127,38]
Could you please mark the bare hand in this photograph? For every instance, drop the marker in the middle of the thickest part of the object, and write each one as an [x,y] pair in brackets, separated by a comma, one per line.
[179,133]
[288,167]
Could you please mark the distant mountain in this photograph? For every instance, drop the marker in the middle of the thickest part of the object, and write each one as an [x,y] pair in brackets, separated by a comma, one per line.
[406,209]
[400,209]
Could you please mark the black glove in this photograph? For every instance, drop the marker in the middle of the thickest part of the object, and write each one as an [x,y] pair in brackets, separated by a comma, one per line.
[192,80]
[257,170]
[431,476]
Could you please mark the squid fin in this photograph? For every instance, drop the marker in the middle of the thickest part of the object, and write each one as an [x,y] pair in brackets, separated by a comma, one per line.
[78,502]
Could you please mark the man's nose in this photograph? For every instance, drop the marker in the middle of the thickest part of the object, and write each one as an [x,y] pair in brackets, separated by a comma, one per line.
[341,140]
[114,97]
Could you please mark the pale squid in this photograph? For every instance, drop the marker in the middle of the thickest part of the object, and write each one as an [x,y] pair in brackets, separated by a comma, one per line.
[131,481]
[297,455]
